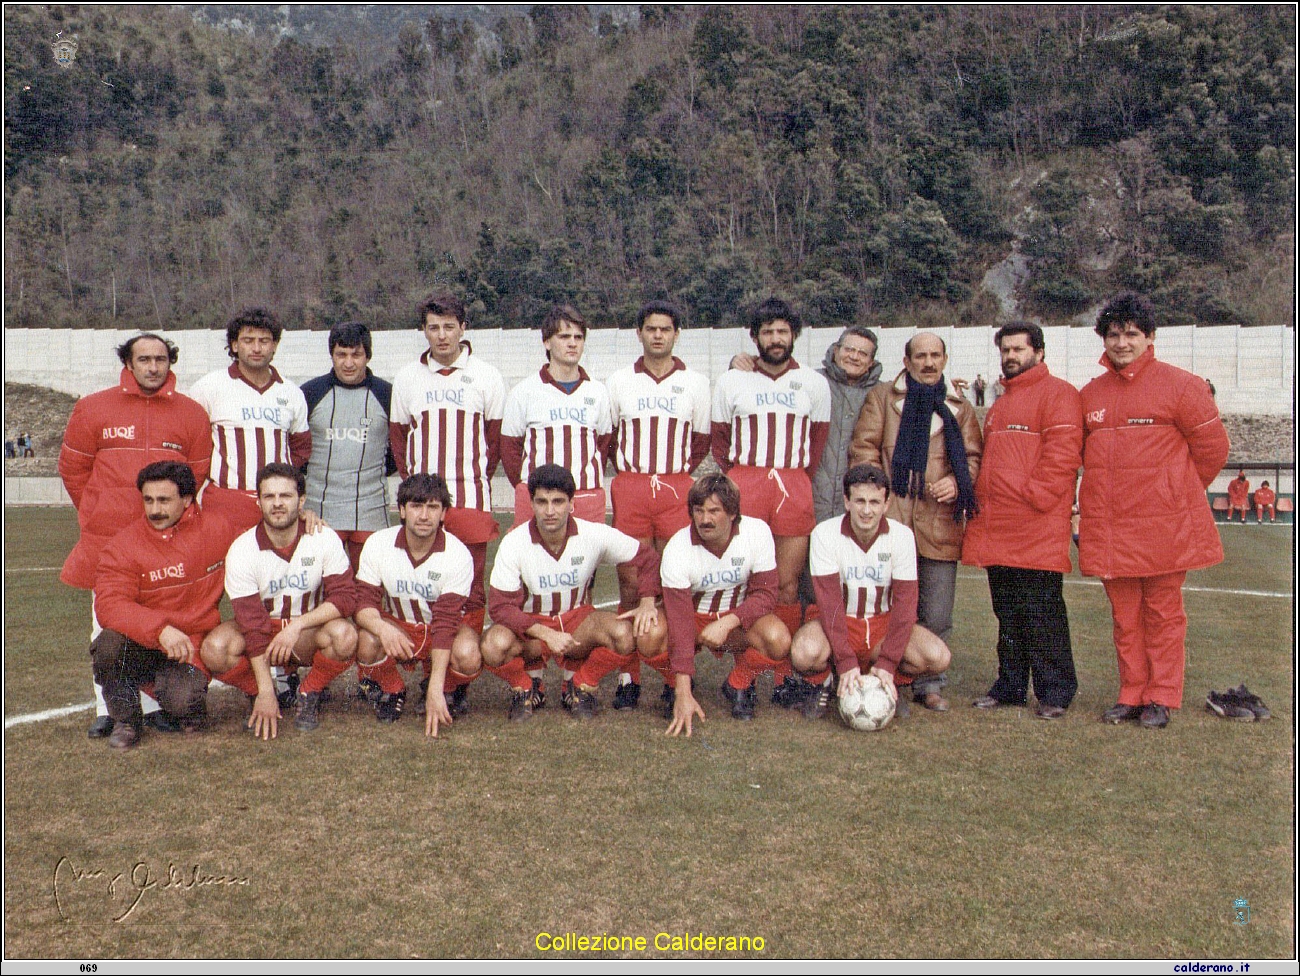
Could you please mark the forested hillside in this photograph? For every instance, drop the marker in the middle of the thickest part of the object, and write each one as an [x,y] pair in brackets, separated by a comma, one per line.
[898,165]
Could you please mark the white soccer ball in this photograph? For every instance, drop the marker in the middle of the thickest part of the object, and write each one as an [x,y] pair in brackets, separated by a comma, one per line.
[868,707]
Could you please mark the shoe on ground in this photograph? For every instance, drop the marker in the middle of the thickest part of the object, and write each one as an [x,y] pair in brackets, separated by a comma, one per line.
[1243,697]
[627,696]
[124,736]
[790,692]
[538,694]
[389,708]
[102,728]
[457,701]
[579,700]
[817,699]
[668,701]
[1122,713]
[1154,717]
[160,721]
[988,702]
[521,705]
[422,697]
[1227,705]
[742,702]
[935,702]
[289,697]
[1049,712]
[308,717]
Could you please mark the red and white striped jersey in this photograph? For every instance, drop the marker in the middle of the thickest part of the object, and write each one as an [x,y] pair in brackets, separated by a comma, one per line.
[410,589]
[289,584]
[718,584]
[866,576]
[252,427]
[771,418]
[546,425]
[449,416]
[655,419]
[554,585]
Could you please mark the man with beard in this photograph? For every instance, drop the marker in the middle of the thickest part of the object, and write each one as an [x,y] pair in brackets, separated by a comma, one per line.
[928,441]
[1033,443]
[769,433]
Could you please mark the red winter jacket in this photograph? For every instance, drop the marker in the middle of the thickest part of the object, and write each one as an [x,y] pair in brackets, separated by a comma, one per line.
[149,579]
[1033,442]
[1153,442]
[111,435]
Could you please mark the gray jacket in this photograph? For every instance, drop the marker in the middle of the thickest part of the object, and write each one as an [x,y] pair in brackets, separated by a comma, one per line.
[847,397]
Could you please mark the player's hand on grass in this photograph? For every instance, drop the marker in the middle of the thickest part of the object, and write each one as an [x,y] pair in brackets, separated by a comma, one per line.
[395,642]
[887,680]
[436,712]
[849,680]
[644,616]
[176,645]
[265,715]
[685,709]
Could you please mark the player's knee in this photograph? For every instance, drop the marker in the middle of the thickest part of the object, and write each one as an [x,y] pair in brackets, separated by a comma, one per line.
[465,657]
[496,646]
[808,650]
[341,638]
[929,651]
[770,637]
[622,637]
[221,649]
[369,650]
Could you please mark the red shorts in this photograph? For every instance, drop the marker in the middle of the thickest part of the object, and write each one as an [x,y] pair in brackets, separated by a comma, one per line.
[865,636]
[473,619]
[650,506]
[239,508]
[588,504]
[781,497]
[353,543]
[472,526]
[420,635]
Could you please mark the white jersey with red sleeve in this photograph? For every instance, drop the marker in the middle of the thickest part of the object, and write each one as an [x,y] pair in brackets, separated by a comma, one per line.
[661,424]
[252,427]
[267,584]
[413,591]
[866,576]
[771,421]
[543,424]
[447,421]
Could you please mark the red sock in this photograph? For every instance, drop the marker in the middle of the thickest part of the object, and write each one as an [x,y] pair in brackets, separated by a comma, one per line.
[385,673]
[791,614]
[241,677]
[600,662]
[455,679]
[514,674]
[749,665]
[901,680]
[660,662]
[819,678]
[323,671]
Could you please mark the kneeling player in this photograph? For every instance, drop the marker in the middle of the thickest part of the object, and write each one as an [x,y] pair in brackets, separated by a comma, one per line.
[863,568]
[719,580]
[411,591]
[539,596]
[291,592]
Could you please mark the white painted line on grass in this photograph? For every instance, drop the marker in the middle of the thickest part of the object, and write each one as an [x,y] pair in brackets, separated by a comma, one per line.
[33,569]
[47,714]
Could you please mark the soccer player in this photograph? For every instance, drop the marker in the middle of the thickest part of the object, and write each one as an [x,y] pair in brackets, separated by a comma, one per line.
[156,594]
[446,420]
[111,435]
[719,577]
[769,431]
[291,593]
[411,592]
[1239,496]
[660,414]
[347,414]
[864,574]
[1265,498]
[540,600]
[257,417]
[559,416]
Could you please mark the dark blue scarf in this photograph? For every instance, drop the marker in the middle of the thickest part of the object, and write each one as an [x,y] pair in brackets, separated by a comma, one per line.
[912,451]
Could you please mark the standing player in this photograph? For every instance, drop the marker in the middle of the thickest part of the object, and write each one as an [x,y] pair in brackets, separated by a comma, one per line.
[291,593]
[540,600]
[257,417]
[411,592]
[719,578]
[660,414]
[446,420]
[863,569]
[347,414]
[559,416]
[157,590]
[111,435]
[769,431]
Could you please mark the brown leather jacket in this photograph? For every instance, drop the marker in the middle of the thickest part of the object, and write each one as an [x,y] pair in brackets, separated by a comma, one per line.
[937,535]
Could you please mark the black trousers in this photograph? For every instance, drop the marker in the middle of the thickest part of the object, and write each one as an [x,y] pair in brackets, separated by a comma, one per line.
[1033,637]
[122,666]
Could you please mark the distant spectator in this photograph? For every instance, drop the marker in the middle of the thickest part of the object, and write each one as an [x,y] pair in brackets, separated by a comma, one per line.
[1238,495]
[1211,386]
[1265,497]
[25,442]
[10,450]
[979,386]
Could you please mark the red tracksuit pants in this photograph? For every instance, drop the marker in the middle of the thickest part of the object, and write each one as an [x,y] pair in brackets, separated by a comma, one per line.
[1150,635]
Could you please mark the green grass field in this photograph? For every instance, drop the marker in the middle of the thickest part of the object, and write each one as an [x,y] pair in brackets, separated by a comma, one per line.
[958,835]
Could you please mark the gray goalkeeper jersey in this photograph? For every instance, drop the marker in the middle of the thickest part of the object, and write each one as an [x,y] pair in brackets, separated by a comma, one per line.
[349,452]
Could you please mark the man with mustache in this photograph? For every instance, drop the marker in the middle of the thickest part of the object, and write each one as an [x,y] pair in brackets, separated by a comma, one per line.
[928,442]
[156,595]
[769,431]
